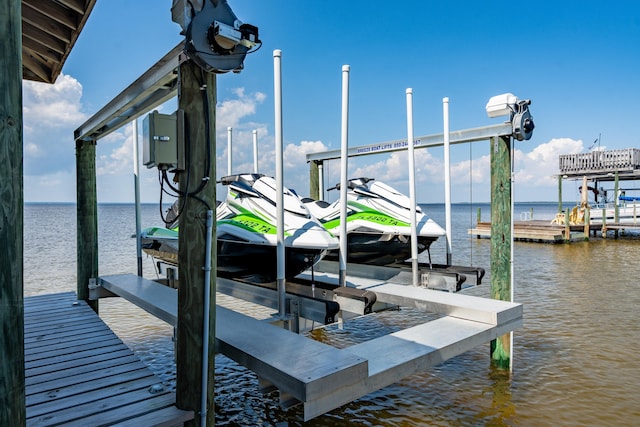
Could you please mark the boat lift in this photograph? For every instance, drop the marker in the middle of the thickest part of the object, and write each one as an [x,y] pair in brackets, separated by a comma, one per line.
[430,275]
[324,377]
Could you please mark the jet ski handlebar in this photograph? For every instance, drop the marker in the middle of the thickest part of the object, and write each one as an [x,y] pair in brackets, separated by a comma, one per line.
[248,178]
[353,183]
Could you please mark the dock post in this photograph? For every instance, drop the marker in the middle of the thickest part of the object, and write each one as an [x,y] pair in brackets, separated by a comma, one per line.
[604,223]
[587,223]
[501,239]
[616,211]
[567,225]
[12,383]
[87,219]
[559,193]
[314,178]
[197,98]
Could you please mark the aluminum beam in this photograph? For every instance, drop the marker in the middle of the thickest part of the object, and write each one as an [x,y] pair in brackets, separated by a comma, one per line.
[457,137]
[157,85]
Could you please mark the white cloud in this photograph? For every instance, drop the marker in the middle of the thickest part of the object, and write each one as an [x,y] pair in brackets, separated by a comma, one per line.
[540,166]
[51,113]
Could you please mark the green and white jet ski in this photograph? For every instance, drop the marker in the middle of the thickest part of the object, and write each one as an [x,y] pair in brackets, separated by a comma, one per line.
[378,223]
[246,232]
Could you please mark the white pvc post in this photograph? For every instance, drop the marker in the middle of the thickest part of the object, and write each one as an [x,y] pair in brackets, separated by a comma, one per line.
[412,188]
[344,141]
[255,151]
[136,184]
[321,181]
[447,177]
[280,249]
[229,144]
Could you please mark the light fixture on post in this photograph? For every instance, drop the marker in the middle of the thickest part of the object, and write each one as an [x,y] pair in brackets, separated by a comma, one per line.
[518,111]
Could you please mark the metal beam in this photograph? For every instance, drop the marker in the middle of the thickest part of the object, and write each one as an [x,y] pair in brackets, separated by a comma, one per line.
[157,85]
[457,137]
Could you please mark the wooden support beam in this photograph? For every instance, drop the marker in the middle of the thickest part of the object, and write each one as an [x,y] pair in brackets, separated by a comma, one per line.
[501,238]
[12,383]
[87,218]
[197,98]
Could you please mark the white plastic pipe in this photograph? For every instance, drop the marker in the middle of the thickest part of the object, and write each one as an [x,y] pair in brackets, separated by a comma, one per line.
[447,176]
[229,144]
[255,151]
[344,144]
[412,188]
[136,185]
[321,181]
[280,249]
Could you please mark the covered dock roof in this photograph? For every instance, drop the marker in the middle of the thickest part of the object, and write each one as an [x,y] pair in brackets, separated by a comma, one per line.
[49,32]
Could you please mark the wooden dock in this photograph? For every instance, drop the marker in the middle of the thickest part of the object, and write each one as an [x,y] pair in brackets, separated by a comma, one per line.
[79,373]
[545,232]
[536,231]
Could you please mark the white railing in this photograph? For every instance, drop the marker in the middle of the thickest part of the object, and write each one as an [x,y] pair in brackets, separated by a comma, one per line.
[600,161]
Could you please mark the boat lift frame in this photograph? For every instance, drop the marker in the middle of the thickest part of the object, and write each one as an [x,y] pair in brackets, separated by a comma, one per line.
[467,322]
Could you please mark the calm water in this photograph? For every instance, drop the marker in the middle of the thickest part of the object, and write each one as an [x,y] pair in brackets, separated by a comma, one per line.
[576,360]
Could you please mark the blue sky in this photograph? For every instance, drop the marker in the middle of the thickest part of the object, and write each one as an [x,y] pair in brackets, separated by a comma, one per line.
[578,61]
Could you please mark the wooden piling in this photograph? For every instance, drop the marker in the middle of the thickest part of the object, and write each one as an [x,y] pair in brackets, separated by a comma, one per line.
[197,98]
[559,193]
[587,223]
[501,239]
[12,383]
[314,181]
[616,211]
[87,219]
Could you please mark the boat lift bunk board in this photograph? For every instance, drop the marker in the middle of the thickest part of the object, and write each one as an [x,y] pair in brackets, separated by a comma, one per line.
[324,377]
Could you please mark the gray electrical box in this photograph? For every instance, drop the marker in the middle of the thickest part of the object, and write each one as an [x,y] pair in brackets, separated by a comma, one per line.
[162,141]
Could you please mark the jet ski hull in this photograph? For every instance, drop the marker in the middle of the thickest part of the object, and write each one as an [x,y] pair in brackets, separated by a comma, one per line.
[239,260]
[374,249]
[258,263]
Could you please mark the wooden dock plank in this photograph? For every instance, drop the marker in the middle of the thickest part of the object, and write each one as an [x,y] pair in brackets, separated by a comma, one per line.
[55,378]
[85,375]
[94,391]
[80,351]
[98,362]
[97,412]
[54,382]
[158,418]
[123,414]
[61,335]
